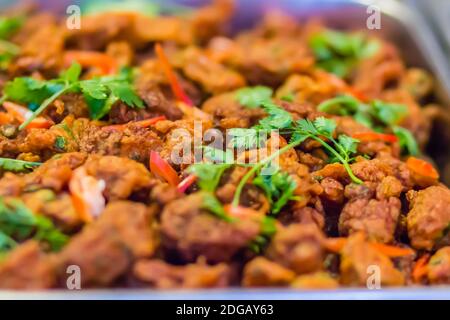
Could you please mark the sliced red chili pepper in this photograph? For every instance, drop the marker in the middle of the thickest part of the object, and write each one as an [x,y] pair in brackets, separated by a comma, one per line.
[160,168]
[375,136]
[422,168]
[177,89]
[186,183]
[142,123]
[105,63]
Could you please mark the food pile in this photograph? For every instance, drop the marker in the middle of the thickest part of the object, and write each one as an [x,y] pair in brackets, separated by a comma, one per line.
[89,142]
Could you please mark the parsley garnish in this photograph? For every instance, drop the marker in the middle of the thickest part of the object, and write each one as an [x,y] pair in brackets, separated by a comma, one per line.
[376,115]
[268,229]
[279,188]
[208,174]
[60,143]
[338,52]
[212,204]
[341,149]
[217,155]
[246,138]
[17,165]
[406,140]
[100,93]
[252,97]
[208,177]
[18,223]
[8,50]
[278,118]
[9,25]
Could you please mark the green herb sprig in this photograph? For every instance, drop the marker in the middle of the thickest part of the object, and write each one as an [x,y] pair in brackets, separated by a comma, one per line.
[8,50]
[377,115]
[18,223]
[100,93]
[252,97]
[338,52]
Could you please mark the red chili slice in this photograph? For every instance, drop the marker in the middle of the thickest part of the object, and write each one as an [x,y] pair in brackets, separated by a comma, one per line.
[160,168]
[170,74]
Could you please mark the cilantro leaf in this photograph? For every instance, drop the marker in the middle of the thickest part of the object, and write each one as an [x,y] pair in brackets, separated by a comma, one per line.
[29,90]
[9,25]
[340,105]
[72,74]
[252,97]
[208,174]
[389,113]
[217,155]
[348,144]
[17,165]
[124,91]
[268,229]
[60,143]
[46,232]
[212,204]
[279,188]
[94,89]
[306,126]
[100,93]
[245,138]
[378,116]
[290,97]
[18,223]
[325,126]
[6,243]
[278,118]
[338,52]
[406,140]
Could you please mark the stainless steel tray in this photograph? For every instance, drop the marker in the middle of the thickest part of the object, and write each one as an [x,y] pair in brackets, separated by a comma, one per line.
[402,24]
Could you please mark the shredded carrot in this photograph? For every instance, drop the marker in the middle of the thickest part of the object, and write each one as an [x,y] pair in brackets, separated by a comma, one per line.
[337,244]
[422,168]
[160,168]
[392,251]
[420,268]
[170,74]
[375,136]
[105,63]
[142,123]
[186,183]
